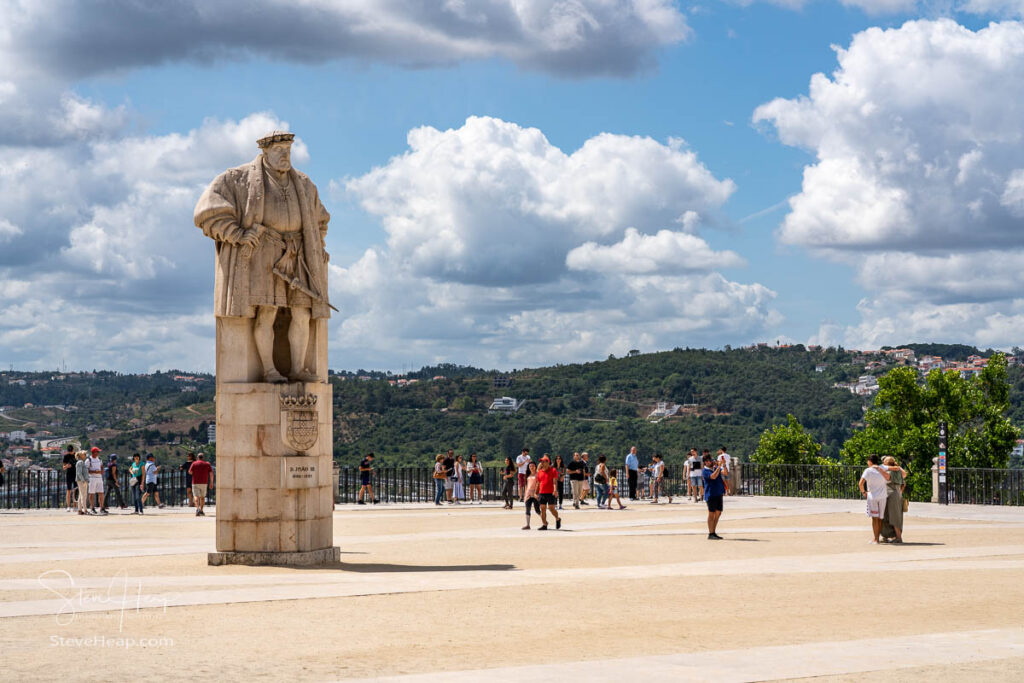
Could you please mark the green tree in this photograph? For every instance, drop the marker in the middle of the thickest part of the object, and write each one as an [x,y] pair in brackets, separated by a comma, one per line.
[511,443]
[788,444]
[463,403]
[904,421]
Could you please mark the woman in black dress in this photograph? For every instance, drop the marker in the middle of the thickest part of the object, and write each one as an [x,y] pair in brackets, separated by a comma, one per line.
[508,481]
[560,467]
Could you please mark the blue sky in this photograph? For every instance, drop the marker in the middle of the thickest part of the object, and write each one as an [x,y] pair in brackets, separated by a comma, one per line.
[802,274]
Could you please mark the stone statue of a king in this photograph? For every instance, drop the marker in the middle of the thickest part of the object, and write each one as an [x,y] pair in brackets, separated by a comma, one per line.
[275,489]
[269,226]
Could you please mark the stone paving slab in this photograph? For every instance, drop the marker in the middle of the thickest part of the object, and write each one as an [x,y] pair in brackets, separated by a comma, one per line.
[426,577]
[761,663]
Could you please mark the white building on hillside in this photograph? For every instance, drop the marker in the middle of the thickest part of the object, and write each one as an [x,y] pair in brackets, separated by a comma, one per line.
[505,404]
[664,410]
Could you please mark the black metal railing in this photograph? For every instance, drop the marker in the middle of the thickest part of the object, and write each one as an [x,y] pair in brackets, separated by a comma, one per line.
[416,485]
[799,481]
[978,486]
[42,489]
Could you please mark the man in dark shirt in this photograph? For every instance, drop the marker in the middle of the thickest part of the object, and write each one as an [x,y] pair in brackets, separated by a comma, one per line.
[113,487]
[68,466]
[714,493]
[449,474]
[186,467]
[576,476]
[365,479]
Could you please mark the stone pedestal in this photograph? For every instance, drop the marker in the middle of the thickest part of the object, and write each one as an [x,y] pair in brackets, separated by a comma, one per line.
[275,493]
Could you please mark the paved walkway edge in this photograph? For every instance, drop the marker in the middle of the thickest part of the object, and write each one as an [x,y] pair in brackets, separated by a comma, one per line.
[761,663]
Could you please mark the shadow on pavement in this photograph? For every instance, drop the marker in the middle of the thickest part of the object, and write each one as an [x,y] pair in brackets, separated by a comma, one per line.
[381,568]
[906,543]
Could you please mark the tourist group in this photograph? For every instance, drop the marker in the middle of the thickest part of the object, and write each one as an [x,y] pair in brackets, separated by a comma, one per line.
[92,483]
[544,485]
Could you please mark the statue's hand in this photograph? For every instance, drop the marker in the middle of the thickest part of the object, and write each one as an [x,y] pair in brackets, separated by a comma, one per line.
[250,238]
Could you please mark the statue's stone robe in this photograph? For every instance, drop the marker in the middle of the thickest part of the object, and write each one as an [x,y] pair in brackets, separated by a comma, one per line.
[233,203]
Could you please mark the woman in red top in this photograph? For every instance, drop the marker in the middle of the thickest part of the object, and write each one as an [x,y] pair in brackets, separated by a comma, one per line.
[547,479]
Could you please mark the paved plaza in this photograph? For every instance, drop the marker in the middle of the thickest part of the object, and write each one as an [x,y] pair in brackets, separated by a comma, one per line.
[462,594]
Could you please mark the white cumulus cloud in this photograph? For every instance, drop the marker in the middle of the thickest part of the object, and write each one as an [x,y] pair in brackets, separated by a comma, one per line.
[665,251]
[494,202]
[504,250]
[917,180]
[102,230]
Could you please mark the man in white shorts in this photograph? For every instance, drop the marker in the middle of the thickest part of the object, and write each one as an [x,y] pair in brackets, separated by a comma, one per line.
[523,467]
[95,466]
[872,486]
[693,471]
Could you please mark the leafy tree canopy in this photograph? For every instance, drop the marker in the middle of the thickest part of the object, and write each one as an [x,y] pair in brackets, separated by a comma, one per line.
[904,421]
[787,444]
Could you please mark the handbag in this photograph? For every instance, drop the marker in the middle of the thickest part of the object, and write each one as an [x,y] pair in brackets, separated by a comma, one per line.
[906,504]
[133,481]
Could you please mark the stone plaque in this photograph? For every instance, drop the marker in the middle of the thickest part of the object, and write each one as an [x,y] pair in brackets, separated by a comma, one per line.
[298,473]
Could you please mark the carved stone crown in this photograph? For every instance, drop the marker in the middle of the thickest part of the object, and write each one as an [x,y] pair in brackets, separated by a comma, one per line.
[291,402]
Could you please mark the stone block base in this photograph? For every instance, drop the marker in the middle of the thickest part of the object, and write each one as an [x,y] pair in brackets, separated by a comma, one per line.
[309,558]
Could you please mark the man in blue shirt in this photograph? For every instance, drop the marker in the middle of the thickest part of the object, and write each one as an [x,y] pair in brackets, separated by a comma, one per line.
[714,494]
[366,479]
[632,471]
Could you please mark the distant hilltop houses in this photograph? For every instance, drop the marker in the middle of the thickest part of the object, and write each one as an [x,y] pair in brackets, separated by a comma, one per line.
[867,385]
[400,382]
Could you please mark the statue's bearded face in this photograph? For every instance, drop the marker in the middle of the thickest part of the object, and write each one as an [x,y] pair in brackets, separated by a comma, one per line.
[279,156]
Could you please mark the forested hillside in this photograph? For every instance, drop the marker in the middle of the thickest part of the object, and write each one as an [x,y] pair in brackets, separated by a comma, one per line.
[728,398]
[732,396]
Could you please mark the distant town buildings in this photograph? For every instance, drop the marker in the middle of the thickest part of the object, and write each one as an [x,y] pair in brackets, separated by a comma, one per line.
[211,433]
[866,385]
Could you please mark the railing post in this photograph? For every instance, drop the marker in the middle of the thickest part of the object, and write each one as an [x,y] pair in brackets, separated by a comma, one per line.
[935,480]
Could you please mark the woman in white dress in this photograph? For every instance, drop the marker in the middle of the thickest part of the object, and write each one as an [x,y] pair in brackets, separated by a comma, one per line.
[460,472]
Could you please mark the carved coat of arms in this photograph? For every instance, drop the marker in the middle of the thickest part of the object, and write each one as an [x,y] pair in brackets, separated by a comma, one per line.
[299,421]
